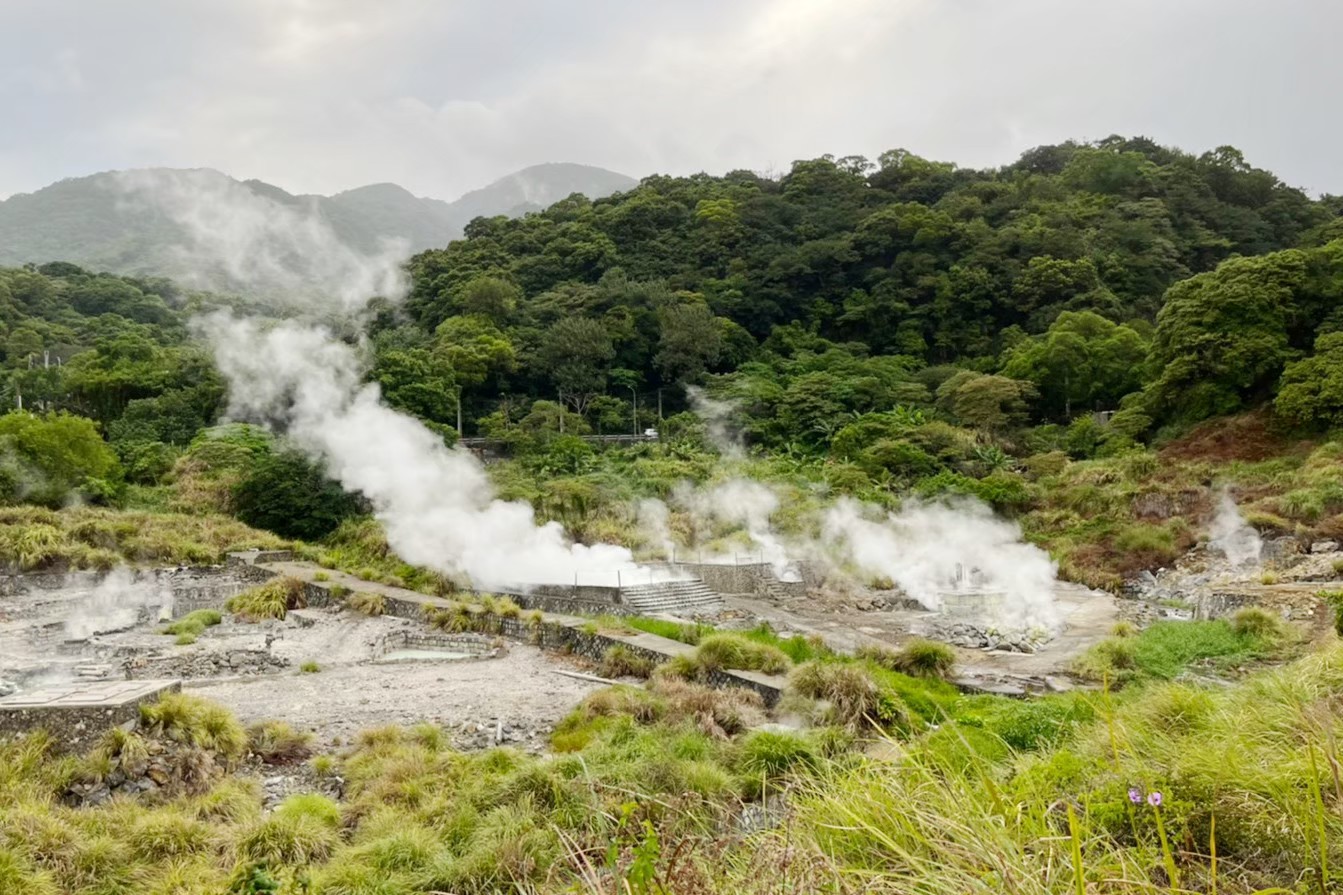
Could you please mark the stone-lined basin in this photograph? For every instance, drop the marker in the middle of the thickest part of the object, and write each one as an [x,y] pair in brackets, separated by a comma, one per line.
[430,646]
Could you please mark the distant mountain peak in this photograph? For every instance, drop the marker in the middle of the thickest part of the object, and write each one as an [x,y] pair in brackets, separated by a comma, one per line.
[87,220]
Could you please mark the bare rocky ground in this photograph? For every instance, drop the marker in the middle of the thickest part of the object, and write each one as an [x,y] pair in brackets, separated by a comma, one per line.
[518,695]
[515,697]
[846,622]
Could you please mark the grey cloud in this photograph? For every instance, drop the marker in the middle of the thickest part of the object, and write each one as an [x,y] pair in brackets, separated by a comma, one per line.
[323,95]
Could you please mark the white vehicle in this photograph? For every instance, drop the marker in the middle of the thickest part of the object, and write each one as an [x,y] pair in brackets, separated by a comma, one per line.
[650,433]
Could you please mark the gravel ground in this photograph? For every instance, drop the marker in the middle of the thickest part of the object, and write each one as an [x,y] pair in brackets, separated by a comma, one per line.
[520,689]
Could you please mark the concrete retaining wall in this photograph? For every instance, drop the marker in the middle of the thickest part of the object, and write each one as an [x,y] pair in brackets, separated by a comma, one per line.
[77,728]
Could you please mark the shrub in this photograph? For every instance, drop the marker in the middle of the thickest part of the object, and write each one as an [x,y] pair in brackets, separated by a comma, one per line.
[1334,599]
[50,458]
[304,829]
[850,692]
[276,742]
[309,667]
[768,754]
[1257,622]
[1114,660]
[288,494]
[273,599]
[197,722]
[916,658]
[720,712]
[621,661]
[367,603]
[730,651]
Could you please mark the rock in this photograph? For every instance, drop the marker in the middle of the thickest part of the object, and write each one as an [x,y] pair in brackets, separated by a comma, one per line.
[1324,547]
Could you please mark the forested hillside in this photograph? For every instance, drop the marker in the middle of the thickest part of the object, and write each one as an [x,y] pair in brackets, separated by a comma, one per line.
[903,326]
[848,287]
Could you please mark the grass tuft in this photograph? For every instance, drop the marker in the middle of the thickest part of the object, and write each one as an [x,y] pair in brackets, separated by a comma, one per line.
[273,599]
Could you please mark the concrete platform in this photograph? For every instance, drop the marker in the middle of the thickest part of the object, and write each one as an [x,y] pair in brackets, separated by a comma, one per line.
[76,714]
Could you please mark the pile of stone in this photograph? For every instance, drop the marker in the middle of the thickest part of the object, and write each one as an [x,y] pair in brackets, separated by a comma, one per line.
[476,735]
[165,769]
[203,663]
[989,637]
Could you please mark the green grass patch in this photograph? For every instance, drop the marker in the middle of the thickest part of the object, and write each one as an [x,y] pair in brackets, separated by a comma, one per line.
[683,632]
[273,599]
[1165,650]
[192,625]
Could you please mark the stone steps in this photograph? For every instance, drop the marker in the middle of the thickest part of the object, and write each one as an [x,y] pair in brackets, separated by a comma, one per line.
[683,597]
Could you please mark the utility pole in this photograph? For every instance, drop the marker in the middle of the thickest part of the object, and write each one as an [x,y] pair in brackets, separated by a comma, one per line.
[659,405]
[634,414]
[460,433]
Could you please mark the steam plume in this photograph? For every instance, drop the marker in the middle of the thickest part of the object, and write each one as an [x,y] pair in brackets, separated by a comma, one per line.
[921,547]
[246,240]
[436,504]
[115,603]
[1232,535]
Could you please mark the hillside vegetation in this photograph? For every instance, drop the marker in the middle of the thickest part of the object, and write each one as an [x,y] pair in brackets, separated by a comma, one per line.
[903,785]
[876,329]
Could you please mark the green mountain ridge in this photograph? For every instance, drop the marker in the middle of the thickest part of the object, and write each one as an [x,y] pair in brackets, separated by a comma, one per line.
[105,221]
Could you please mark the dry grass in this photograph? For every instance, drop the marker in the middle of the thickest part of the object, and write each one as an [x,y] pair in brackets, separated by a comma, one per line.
[276,742]
[33,538]
[273,599]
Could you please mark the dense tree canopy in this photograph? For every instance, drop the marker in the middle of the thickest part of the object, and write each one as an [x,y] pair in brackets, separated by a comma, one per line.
[906,316]
[1079,275]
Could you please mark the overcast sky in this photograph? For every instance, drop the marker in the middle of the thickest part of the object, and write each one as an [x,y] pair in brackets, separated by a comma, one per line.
[443,96]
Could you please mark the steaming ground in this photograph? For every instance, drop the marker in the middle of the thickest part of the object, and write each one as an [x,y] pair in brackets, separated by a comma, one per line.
[437,505]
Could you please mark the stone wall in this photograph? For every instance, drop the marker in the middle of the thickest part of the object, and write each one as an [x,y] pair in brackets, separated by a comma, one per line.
[476,646]
[1294,604]
[725,578]
[556,635]
[756,578]
[205,663]
[593,646]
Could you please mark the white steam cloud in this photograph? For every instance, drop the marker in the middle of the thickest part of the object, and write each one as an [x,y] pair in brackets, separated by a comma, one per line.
[745,503]
[116,602]
[1232,535]
[436,504]
[655,520]
[719,422]
[240,238]
[934,550]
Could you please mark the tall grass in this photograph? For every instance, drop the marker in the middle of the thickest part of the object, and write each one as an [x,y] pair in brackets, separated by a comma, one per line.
[646,785]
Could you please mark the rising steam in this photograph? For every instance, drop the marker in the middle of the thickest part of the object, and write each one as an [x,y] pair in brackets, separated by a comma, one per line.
[117,602]
[436,505]
[1232,535]
[931,550]
[247,240]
